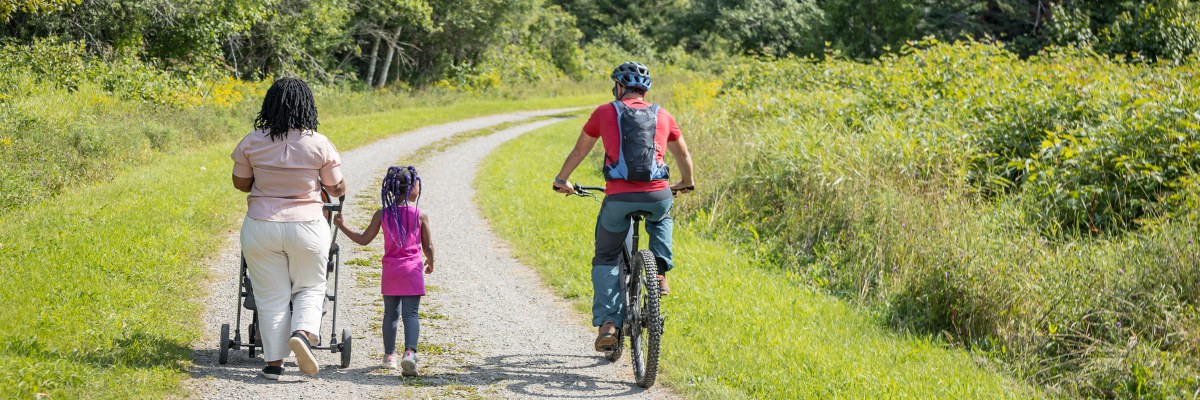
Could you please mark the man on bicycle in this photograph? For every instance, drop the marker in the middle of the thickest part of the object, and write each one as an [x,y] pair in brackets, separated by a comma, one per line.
[635,135]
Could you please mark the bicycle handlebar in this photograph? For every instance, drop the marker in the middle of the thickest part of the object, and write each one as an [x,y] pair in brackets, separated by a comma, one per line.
[586,190]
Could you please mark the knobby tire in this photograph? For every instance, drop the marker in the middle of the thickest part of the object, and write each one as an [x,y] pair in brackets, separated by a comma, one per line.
[651,317]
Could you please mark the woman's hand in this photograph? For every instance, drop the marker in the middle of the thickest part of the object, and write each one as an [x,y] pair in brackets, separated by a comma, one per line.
[338,221]
[428,266]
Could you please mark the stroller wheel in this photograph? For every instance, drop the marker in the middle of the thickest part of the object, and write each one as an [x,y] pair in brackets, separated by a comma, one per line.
[223,356]
[345,348]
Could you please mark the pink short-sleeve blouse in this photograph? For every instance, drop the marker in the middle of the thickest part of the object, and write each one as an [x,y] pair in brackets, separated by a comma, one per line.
[287,174]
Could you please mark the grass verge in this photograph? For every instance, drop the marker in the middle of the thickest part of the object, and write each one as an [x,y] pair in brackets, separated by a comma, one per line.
[785,341]
[100,284]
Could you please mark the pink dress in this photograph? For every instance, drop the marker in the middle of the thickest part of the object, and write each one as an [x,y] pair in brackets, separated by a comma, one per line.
[403,273]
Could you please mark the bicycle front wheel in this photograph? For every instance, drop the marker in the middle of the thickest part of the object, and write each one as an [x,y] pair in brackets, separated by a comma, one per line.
[648,322]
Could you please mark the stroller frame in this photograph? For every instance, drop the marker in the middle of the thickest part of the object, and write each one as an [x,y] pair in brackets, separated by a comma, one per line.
[333,265]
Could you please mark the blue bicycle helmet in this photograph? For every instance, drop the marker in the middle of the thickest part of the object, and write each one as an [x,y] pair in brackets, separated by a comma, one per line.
[632,75]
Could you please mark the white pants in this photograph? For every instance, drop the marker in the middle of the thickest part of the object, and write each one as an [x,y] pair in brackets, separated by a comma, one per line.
[286,264]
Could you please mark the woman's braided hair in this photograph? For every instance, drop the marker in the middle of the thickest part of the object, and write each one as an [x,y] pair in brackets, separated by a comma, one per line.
[288,105]
[397,186]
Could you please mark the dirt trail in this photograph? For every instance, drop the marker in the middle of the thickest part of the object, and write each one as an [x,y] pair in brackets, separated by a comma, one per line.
[489,329]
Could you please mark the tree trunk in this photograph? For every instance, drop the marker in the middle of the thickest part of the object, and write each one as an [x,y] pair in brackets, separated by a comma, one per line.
[387,60]
[374,60]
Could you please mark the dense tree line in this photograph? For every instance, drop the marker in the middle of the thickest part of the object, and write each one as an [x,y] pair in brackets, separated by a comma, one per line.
[422,41]
[870,28]
[375,41]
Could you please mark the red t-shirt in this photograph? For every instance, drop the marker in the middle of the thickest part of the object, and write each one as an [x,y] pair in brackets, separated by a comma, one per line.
[603,125]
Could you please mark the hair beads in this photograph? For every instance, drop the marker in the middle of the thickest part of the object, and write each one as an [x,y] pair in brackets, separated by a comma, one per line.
[397,187]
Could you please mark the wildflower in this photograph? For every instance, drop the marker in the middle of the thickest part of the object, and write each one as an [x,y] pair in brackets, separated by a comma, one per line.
[894,269]
[6,142]
[203,169]
[1118,324]
[1189,240]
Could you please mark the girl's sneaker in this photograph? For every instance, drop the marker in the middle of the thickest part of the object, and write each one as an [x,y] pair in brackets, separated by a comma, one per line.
[389,361]
[409,363]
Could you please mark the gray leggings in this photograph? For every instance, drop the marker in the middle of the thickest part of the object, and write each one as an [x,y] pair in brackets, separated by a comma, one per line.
[393,308]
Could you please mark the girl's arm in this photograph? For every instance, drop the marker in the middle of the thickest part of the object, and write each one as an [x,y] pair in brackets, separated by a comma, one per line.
[426,243]
[368,235]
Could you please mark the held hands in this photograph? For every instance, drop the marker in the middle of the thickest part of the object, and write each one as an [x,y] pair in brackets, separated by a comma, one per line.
[428,266]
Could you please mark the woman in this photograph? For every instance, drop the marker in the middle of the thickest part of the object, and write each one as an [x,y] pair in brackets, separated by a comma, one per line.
[285,239]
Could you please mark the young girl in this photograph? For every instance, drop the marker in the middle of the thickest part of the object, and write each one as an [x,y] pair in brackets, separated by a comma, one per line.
[405,236]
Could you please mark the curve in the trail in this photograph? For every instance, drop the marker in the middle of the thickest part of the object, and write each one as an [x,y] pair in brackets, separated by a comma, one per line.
[490,327]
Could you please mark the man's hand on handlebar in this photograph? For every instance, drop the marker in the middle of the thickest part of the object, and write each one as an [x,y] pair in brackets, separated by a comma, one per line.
[683,187]
[568,188]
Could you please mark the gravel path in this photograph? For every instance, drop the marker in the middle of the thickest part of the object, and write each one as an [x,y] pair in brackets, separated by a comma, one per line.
[489,327]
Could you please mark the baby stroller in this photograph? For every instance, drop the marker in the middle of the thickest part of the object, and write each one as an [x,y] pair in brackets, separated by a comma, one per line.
[246,300]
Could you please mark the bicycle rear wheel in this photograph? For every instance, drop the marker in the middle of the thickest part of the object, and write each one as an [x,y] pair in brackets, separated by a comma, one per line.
[647,332]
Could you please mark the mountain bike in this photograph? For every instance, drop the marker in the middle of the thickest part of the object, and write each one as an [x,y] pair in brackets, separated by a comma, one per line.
[643,322]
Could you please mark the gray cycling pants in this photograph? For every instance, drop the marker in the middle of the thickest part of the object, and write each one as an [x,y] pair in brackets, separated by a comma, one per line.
[612,230]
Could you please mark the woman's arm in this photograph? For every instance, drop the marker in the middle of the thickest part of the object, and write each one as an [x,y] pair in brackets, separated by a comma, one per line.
[583,146]
[336,190]
[367,236]
[243,184]
[427,243]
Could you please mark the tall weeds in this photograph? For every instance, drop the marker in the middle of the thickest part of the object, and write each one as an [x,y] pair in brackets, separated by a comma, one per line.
[1040,212]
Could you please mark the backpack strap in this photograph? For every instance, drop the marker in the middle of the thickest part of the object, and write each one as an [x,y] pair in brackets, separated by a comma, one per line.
[620,107]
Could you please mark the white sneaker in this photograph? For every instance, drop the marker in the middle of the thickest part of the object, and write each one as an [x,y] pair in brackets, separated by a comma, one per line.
[389,361]
[409,363]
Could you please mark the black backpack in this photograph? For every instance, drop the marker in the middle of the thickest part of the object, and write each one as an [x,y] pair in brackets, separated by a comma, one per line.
[636,160]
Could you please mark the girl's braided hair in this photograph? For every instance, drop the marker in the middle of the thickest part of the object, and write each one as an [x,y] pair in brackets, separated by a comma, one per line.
[397,186]
[288,105]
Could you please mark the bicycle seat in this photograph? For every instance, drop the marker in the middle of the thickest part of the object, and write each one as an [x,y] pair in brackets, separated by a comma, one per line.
[639,215]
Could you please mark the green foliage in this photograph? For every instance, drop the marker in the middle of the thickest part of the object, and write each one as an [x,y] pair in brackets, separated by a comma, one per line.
[1158,29]
[10,7]
[868,28]
[1038,211]
[1069,27]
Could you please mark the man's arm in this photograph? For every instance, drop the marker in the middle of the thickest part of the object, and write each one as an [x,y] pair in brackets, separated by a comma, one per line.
[683,159]
[583,146]
[243,184]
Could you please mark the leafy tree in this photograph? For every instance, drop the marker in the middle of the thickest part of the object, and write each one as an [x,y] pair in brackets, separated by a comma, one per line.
[869,28]
[1165,29]
[10,7]
[774,26]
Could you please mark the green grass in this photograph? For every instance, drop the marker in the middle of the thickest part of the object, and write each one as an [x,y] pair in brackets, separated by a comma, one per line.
[788,341]
[101,284]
